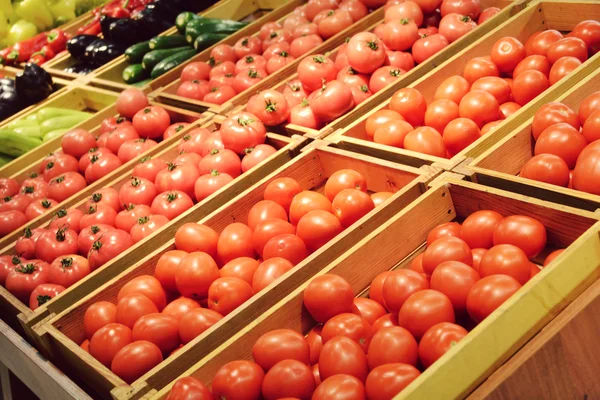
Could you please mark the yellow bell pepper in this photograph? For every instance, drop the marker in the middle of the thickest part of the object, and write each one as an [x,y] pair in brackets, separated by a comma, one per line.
[35,11]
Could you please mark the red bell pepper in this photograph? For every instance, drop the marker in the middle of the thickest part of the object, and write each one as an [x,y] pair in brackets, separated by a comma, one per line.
[117,10]
[4,56]
[93,29]
[48,52]
[39,41]
[57,40]
[38,58]
[133,4]
[22,51]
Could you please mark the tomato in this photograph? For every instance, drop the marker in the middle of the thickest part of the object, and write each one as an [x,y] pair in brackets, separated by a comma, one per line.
[425,140]
[194,275]
[446,249]
[416,265]
[498,87]
[196,321]
[132,307]
[108,340]
[146,226]
[455,25]
[424,309]
[188,158]
[269,106]
[238,380]
[387,321]
[333,100]
[488,294]
[316,228]
[528,85]
[98,214]
[39,207]
[383,77]
[563,67]
[399,285]
[320,293]
[287,246]
[175,128]
[98,168]
[241,131]
[256,155]
[540,42]
[77,142]
[167,265]
[241,267]
[477,256]
[344,179]
[505,259]
[585,173]
[126,219]
[405,10]
[399,35]
[219,53]
[288,378]
[478,228]
[19,202]
[392,133]
[410,104]
[342,355]
[392,345]
[507,53]
[438,340]
[148,168]
[280,344]
[135,359]
[509,108]
[246,79]
[459,134]
[123,132]
[368,309]
[355,8]
[62,163]
[569,46]
[294,93]
[97,316]
[66,270]
[151,122]
[160,329]
[219,95]
[454,279]
[108,246]
[246,46]
[427,46]
[10,221]
[366,52]
[171,204]
[350,205]
[192,237]
[133,148]
[252,61]
[193,141]
[440,113]
[386,381]
[307,201]
[339,387]
[208,184]
[316,70]
[282,191]
[130,101]
[443,230]
[564,141]
[7,264]
[108,197]
[307,29]
[189,388]
[267,28]
[348,325]
[303,44]
[56,242]
[533,62]
[89,235]
[481,106]
[525,232]
[177,178]
[480,67]
[8,187]
[66,185]
[589,105]
[279,61]
[137,191]
[44,293]
[400,59]
[589,32]
[553,113]
[376,289]
[334,22]
[590,128]
[235,241]
[226,294]
[453,88]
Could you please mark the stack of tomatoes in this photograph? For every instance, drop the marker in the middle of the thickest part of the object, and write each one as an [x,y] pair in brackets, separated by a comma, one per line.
[220,271]
[374,347]
[233,69]
[566,146]
[490,90]
[326,88]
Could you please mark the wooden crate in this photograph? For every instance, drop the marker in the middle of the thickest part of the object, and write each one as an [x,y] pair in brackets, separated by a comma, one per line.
[12,307]
[539,15]
[238,103]
[168,94]
[222,9]
[93,125]
[62,334]
[499,165]
[560,362]
[400,239]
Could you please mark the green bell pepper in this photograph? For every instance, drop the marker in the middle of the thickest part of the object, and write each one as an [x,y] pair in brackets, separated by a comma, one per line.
[62,10]
[36,11]
[21,30]
[3,24]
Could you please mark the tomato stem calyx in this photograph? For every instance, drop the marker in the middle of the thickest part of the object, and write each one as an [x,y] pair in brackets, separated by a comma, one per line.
[28,189]
[171,197]
[248,150]
[270,106]
[26,269]
[143,220]
[43,299]
[373,45]
[96,197]
[50,165]
[27,233]
[66,262]
[214,172]
[61,213]
[95,229]
[46,203]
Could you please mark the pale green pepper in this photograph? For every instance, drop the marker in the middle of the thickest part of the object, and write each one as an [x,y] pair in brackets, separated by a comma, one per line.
[62,10]
[36,11]
[3,25]
[7,8]
[21,30]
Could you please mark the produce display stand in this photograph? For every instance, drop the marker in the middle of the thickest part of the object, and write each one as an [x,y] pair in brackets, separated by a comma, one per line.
[539,15]
[168,94]
[15,310]
[404,236]
[57,66]
[62,334]
[238,103]
[499,165]
[93,125]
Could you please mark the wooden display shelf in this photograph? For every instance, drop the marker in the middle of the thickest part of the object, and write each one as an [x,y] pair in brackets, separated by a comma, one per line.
[499,165]
[510,8]
[560,362]
[62,333]
[401,238]
[168,94]
[23,318]
[539,15]
[28,164]
[110,75]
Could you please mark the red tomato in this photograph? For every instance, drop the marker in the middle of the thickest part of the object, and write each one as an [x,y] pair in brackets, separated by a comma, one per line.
[508,109]
[235,241]
[208,184]
[540,42]
[127,218]
[569,46]
[507,53]
[105,196]
[238,380]
[438,340]
[98,168]
[242,131]
[563,67]
[459,134]
[39,207]
[133,148]
[400,59]
[56,242]
[342,355]
[108,246]
[385,381]
[219,53]
[241,267]
[146,226]
[189,388]
[427,46]
[246,79]
[8,187]
[316,228]
[550,114]
[339,387]
[188,158]
[77,142]
[135,359]
[316,70]
[160,329]
[25,244]
[282,191]
[403,10]
[443,230]
[387,321]
[108,340]
[480,67]
[453,88]
[564,141]
[399,285]
[365,52]
[392,345]
[166,267]
[498,87]
[481,107]
[440,113]
[132,307]
[252,61]
[98,214]
[256,155]
[151,122]
[455,25]
[307,201]
[349,325]
[355,8]
[177,178]
[334,22]
[424,309]
[137,191]
[219,95]
[192,237]
[488,294]
[478,228]
[294,93]
[589,105]
[586,172]
[525,232]
[320,293]
[62,163]
[269,106]
[123,132]
[287,246]
[303,44]
[399,35]
[528,85]
[505,259]
[44,293]
[196,321]
[298,378]
[454,279]
[174,129]
[344,179]
[368,309]
[446,249]
[376,289]
[533,62]
[425,140]
[194,275]
[97,316]
[392,133]
[350,205]
[226,294]
[148,168]
[410,104]
[171,204]
[130,101]
[383,77]
[246,46]
[68,269]
[66,185]
[64,218]
[280,344]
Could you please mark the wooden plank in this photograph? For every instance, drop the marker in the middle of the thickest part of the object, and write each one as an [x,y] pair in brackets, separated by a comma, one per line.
[311,168]
[522,25]
[560,362]
[47,382]
[392,246]
[498,165]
